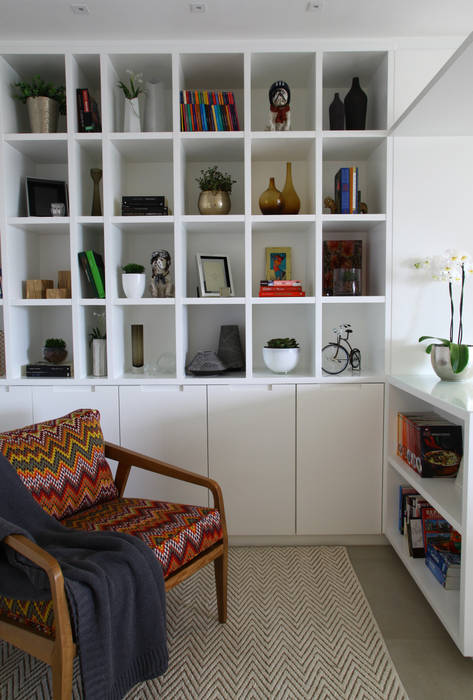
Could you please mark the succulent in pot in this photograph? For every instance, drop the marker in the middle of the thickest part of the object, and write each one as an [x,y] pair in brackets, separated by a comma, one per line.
[281,355]
[44,102]
[216,188]
[133,280]
[54,350]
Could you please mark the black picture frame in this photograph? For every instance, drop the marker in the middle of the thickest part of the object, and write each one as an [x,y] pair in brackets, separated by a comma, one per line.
[40,192]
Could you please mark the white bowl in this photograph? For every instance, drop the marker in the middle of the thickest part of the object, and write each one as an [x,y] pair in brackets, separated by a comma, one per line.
[281,360]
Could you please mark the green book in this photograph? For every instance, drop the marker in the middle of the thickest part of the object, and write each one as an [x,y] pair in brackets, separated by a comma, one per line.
[96,265]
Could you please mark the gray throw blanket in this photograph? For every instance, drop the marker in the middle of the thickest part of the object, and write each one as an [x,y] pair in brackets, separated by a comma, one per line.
[114,586]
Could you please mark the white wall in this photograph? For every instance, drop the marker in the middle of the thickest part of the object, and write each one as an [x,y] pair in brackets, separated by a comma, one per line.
[432,204]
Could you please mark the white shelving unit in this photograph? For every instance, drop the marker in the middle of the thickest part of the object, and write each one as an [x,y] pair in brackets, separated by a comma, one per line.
[168,163]
[451,497]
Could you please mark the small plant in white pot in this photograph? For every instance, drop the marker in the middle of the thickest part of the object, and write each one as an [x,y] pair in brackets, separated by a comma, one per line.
[281,355]
[133,280]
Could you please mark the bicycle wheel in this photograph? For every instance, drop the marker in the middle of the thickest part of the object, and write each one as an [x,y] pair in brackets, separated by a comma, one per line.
[355,359]
[334,358]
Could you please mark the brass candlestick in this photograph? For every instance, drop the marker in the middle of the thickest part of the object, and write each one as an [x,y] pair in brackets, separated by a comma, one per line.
[96,175]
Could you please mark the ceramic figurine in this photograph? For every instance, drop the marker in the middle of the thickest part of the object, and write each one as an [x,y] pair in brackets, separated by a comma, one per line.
[160,285]
[279,110]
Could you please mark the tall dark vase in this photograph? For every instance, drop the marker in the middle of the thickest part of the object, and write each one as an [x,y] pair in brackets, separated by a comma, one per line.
[355,106]
[336,113]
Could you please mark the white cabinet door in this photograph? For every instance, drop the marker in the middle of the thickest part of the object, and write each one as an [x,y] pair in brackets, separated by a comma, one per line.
[251,455]
[16,408]
[339,458]
[51,402]
[168,423]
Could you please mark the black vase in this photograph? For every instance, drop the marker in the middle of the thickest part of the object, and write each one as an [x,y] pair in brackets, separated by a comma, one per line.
[336,113]
[355,106]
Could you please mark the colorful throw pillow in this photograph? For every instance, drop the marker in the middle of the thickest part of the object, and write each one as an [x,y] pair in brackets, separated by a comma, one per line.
[62,462]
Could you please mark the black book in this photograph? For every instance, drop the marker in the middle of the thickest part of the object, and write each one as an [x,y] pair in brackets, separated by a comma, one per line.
[80,111]
[142,200]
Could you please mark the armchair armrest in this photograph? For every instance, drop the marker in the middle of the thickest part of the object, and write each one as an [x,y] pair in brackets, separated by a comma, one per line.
[127,458]
[50,565]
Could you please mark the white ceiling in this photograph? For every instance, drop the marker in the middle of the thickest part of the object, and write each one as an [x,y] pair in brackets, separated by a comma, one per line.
[169,19]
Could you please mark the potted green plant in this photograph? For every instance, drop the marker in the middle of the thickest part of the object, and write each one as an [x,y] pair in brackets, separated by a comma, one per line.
[281,355]
[54,350]
[131,92]
[451,361]
[98,343]
[216,188]
[44,102]
[133,280]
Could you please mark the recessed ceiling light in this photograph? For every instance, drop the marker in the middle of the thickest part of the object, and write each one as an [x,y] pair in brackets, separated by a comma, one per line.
[314,5]
[198,7]
[80,9]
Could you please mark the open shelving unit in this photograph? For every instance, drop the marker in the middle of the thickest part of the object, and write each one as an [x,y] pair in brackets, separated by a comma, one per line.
[168,163]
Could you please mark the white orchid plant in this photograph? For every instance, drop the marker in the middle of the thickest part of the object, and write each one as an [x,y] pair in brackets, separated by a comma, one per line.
[136,86]
[452,267]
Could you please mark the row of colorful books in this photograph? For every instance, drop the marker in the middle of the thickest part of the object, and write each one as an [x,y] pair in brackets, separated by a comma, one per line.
[431,445]
[347,194]
[281,288]
[208,111]
[88,116]
[93,271]
[430,536]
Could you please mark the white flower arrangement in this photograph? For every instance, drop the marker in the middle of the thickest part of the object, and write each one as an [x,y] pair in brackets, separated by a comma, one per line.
[452,267]
[136,86]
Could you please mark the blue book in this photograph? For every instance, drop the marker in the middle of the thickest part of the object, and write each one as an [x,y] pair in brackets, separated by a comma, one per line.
[342,190]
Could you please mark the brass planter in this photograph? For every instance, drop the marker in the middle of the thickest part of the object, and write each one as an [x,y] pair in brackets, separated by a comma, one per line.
[43,113]
[214,202]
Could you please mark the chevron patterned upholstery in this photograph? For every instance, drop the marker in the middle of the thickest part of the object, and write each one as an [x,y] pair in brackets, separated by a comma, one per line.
[62,462]
[176,533]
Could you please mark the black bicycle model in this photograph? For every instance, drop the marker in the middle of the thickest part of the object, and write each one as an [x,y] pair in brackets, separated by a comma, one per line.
[336,357]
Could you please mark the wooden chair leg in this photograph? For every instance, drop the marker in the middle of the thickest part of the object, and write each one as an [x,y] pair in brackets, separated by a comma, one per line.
[62,675]
[221,575]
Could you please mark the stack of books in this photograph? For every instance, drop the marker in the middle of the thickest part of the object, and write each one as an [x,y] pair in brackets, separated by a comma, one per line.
[347,195]
[46,369]
[281,288]
[208,111]
[444,562]
[88,117]
[144,205]
[93,270]
[431,445]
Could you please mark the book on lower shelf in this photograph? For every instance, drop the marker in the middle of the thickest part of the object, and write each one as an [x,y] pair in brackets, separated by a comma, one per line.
[93,270]
[281,288]
[46,369]
[429,444]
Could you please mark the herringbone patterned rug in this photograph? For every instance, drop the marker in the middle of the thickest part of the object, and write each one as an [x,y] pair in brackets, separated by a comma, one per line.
[299,628]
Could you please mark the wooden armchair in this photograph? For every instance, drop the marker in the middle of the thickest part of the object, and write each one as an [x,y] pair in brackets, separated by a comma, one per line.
[94,501]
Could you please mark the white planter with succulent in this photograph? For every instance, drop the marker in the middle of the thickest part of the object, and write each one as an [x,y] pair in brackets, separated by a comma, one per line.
[132,92]
[451,361]
[133,280]
[281,355]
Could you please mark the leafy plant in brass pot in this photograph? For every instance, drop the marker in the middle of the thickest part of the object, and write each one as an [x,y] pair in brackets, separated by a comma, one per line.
[281,355]
[216,188]
[44,102]
[54,350]
[452,359]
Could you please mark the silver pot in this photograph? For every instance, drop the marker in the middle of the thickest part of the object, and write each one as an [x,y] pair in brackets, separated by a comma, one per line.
[214,202]
[43,113]
[440,358]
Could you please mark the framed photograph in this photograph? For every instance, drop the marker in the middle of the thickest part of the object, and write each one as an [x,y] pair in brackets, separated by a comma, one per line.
[41,193]
[215,276]
[278,263]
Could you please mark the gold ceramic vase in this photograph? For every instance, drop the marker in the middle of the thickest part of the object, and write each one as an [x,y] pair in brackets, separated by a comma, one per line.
[270,202]
[211,202]
[290,199]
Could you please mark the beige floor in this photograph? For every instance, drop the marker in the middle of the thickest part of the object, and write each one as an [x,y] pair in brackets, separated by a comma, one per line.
[428,662]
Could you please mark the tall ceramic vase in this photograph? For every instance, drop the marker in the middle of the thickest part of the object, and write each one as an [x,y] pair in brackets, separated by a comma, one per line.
[99,357]
[290,199]
[131,119]
[336,114]
[356,103]
[154,117]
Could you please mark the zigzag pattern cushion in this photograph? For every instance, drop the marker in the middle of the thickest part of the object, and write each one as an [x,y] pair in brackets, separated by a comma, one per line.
[62,462]
[37,614]
[176,533]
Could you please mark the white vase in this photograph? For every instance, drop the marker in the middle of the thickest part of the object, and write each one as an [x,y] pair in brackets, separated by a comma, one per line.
[154,117]
[99,357]
[134,284]
[131,118]
[281,360]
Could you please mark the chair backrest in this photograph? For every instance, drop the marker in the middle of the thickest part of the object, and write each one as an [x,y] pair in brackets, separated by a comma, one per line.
[62,462]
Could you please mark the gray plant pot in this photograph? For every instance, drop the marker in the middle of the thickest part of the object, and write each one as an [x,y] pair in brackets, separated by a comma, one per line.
[440,358]
[43,113]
